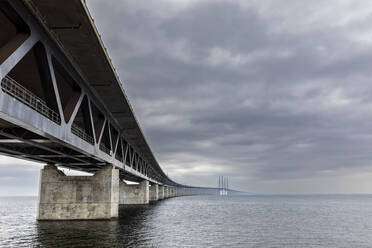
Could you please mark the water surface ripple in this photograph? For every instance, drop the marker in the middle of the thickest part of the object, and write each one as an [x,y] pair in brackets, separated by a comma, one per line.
[199,221]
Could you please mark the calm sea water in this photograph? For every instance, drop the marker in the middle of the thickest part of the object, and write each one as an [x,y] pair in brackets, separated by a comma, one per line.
[199,221]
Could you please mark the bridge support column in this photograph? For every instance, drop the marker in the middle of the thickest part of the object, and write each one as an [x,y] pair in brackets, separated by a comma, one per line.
[161,192]
[166,192]
[170,192]
[154,192]
[64,197]
[134,193]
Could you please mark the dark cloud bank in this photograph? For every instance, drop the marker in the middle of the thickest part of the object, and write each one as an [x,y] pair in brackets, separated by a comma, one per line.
[275,94]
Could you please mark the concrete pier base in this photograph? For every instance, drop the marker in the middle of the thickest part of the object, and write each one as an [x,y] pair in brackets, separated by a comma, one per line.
[181,192]
[134,193]
[166,192]
[154,192]
[160,192]
[64,197]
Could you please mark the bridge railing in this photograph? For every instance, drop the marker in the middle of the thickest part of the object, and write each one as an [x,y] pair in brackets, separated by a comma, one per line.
[104,148]
[119,157]
[14,89]
[78,131]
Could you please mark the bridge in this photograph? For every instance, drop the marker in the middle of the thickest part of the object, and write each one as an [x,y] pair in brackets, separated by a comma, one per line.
[62,104]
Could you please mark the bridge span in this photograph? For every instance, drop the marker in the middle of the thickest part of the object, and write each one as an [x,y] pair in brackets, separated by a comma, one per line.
[62,104]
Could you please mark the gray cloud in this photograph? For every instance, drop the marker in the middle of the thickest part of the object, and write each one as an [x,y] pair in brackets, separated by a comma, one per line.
[268,92]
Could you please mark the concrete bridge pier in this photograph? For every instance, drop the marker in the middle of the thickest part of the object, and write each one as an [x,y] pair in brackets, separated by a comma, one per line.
[154,192]
[161,192]
[179,191]
[171,192]
[166,192]
[134,193]
[64,197]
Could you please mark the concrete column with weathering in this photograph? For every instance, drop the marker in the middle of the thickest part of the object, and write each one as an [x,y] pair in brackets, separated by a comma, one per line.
[64,197]
[134,193]
[166,191]
[170,191]
[154,192]
[160,192]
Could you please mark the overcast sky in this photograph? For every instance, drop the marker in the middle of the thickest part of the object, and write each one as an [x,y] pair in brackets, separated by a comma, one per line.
[277,94]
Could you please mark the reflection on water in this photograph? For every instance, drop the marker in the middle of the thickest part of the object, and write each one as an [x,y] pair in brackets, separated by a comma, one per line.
[199,221]
[129,230]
